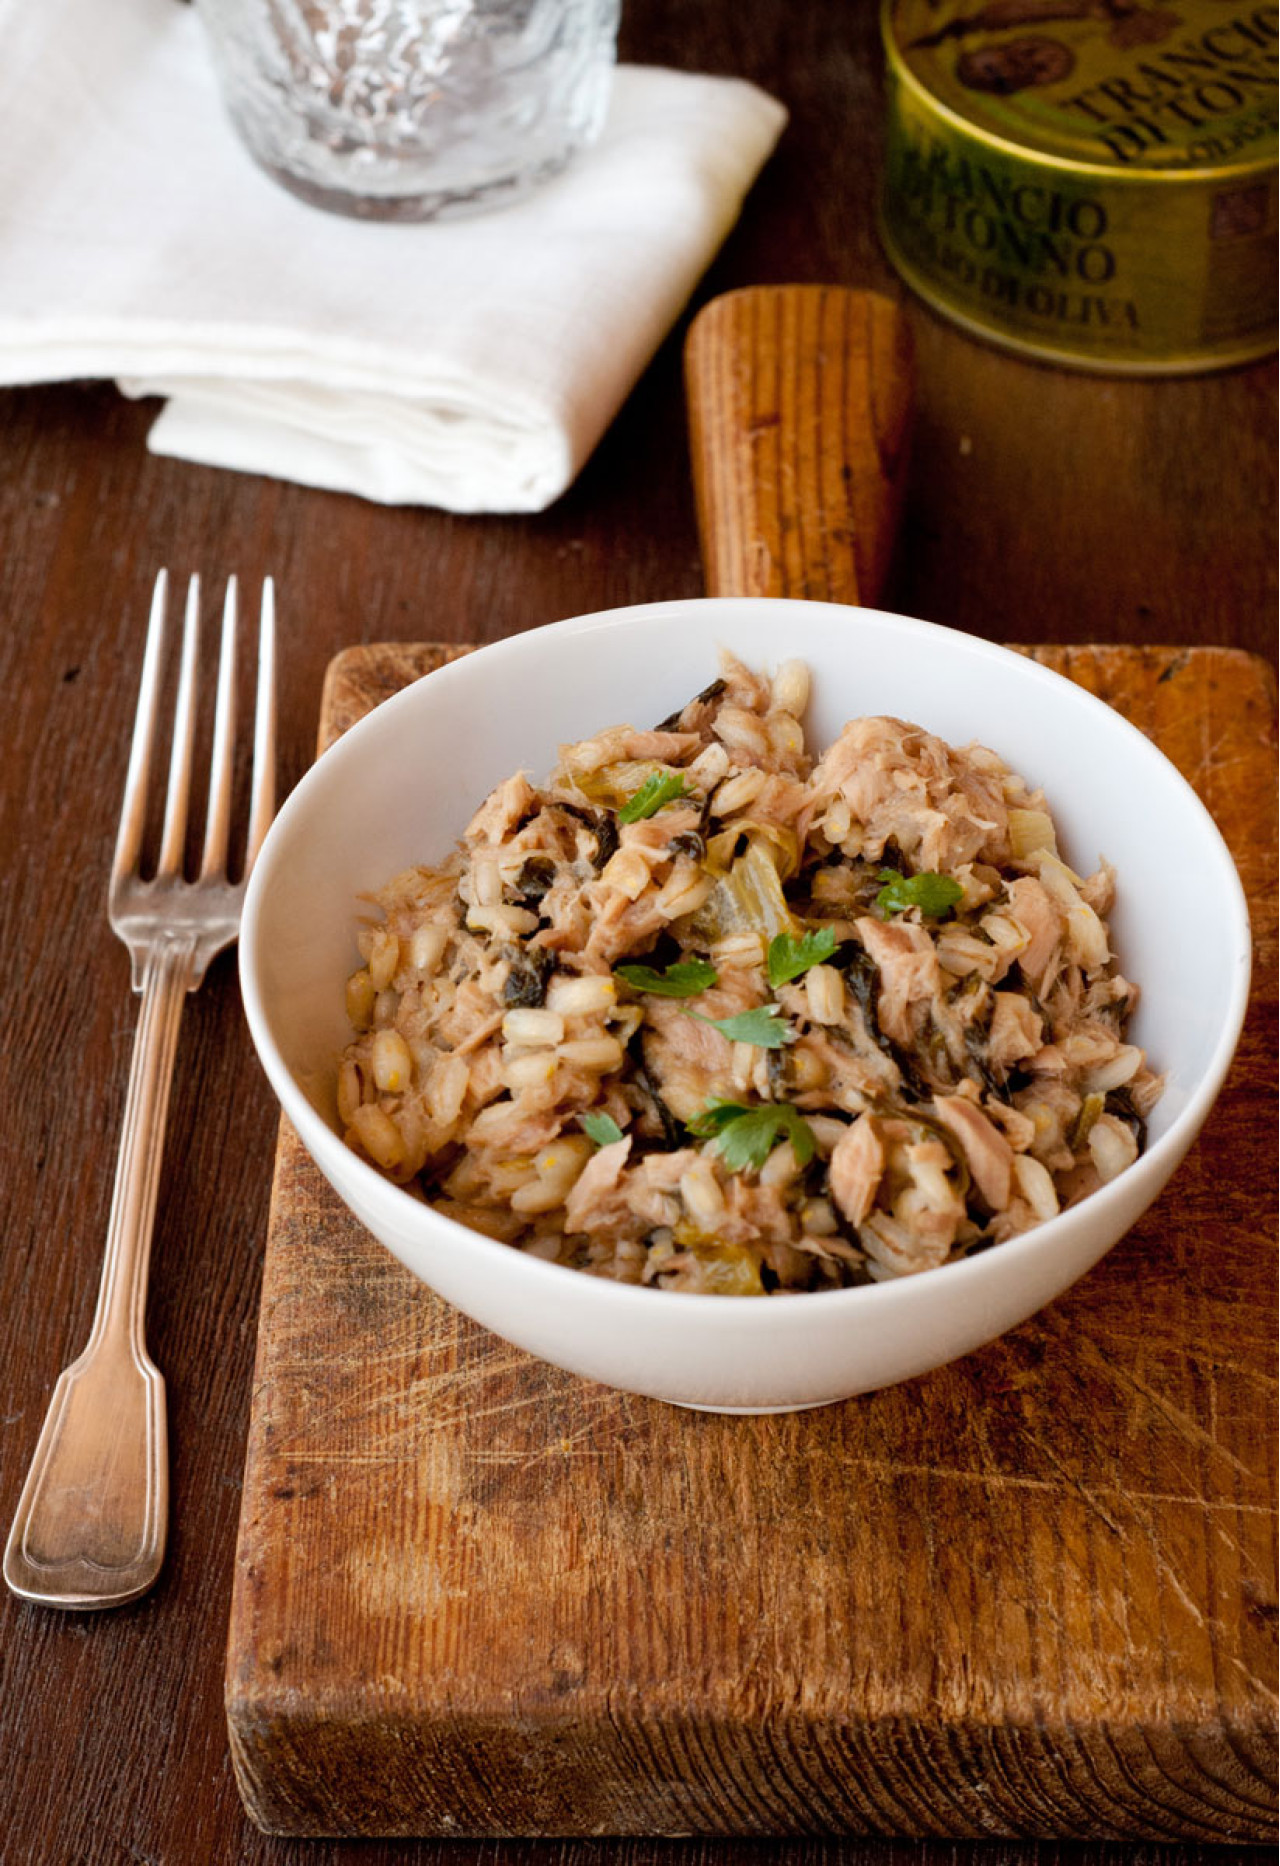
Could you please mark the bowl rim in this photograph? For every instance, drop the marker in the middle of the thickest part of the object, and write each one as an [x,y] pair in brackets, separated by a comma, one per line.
[319,1139]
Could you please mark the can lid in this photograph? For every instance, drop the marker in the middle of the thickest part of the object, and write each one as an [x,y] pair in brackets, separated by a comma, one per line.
[1133,86]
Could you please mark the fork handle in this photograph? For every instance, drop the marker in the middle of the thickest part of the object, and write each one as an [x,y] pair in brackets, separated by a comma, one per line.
[92,1519]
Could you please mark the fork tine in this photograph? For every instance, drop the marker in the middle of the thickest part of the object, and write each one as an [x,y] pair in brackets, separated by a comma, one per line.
[134,806]
[218,819]
[262,807]
[173,837]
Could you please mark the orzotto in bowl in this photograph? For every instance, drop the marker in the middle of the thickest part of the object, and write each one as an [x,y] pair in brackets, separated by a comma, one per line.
[399,789]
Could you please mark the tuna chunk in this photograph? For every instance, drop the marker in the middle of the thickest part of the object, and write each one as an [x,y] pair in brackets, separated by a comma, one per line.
[1016,1031]
[742,685]
[502,809]
[621,927]
[840,1069]
[470,1020]
[988,1153]
[1034,911]
[857,1165]
[902,785]
[655,833]
[593,1201]
[624,744]
[687,1059]
[909,971]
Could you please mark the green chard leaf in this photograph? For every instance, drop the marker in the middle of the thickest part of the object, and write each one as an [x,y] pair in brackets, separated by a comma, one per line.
[935,895]
[658,788]
[788,957]
[685,979]
[746,1136]
[600,1128]
[763,1027]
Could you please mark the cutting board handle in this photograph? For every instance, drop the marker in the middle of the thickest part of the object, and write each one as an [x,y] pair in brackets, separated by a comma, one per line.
[799,412]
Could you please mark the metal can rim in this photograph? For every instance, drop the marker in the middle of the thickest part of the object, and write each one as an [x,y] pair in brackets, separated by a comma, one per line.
[1110,174]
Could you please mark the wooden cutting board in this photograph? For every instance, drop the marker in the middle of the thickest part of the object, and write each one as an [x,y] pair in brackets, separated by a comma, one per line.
[1032,1593]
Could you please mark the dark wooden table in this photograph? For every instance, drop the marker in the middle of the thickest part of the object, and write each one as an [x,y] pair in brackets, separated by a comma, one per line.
[1043,507]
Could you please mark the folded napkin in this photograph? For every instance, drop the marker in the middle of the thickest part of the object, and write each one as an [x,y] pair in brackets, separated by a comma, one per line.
[472,364]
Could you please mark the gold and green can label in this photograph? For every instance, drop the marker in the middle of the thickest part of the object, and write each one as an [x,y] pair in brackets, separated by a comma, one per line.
[1088,181]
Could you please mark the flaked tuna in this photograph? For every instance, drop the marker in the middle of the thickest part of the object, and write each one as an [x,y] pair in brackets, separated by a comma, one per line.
[702,1016]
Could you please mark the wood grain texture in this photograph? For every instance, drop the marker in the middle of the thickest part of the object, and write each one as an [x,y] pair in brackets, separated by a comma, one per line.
[1028,1594]
[1041,507]
[799,418]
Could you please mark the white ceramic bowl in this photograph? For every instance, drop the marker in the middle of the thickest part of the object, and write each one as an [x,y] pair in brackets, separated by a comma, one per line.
[401,785]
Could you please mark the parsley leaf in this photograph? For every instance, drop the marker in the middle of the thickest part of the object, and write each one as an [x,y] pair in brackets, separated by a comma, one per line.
[685,979]
[763,1027]
[716,1112]
[658,788]
[745,1137]
[600,1128]
[935,895]
[788,957]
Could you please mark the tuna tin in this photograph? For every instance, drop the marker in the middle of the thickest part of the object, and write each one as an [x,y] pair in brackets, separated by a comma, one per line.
[1092,182]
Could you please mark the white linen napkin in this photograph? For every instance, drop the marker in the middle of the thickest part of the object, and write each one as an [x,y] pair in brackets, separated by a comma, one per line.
[472,364]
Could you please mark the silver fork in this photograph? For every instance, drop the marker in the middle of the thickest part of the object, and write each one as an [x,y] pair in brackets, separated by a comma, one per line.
[91,1522]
